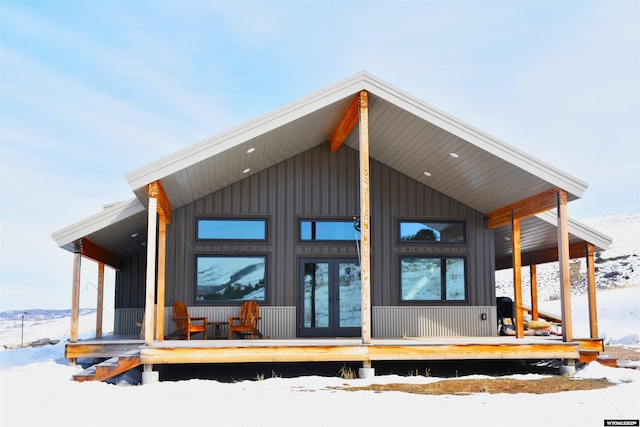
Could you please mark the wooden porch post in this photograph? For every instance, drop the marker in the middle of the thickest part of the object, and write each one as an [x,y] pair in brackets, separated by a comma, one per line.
[162,256]
[563,263]
[149,307]
[534,291]
[100,302]
[591,278]
[517,276]
[75,293]
[365,262]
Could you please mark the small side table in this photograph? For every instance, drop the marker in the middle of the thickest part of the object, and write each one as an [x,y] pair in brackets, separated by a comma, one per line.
[217,335]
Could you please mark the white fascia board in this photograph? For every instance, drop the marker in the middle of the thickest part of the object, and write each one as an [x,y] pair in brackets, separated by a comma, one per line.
[111,214]
[242,133]
[582,231]
[475,136]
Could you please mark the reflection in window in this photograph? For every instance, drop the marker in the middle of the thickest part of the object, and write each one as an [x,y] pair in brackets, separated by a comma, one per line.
[432,279]
[230,278]
[432,231]
[341,230]
[350,294]
[232,229]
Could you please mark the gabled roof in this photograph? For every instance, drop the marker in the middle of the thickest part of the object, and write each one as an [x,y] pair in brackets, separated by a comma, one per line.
[405,134]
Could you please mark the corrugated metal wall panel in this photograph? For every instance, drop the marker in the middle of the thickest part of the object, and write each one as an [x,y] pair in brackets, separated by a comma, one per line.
[280,322]
[130,281]
[276,322]
[433,321]
[124,321]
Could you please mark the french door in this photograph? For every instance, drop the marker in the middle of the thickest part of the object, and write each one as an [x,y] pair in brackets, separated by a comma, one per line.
[330,298]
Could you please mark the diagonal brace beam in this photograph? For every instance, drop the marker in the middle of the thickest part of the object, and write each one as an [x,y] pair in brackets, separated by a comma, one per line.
[524,208]
[346,125]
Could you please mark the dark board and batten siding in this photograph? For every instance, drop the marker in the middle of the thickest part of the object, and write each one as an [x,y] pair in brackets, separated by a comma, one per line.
[317,184]
[130,282]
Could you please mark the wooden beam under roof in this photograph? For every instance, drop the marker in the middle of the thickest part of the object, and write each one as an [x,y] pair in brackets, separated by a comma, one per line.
[525,208]
[542,256]
[99,254]
[346,125]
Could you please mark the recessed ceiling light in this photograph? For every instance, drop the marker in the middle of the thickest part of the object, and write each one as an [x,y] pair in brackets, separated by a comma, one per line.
[247,170]
[251,150]
[454,155]
[426,173]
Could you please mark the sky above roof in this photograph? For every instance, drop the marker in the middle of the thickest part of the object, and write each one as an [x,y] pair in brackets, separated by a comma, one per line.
[92,90]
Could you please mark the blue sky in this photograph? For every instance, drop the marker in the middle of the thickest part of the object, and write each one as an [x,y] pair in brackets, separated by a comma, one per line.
[92,90]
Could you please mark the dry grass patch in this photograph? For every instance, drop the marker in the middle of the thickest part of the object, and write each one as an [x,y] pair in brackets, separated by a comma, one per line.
[494,385]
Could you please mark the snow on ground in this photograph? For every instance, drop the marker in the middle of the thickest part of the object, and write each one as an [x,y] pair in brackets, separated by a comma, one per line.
[618,315]
[42,393]
[12,332]
[36,390]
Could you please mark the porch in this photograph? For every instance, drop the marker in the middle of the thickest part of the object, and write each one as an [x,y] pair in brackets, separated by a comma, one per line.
[352,350]
[335,349]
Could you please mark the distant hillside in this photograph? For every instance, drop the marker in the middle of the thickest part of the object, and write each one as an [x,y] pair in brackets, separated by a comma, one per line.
[617,267]
[40,314]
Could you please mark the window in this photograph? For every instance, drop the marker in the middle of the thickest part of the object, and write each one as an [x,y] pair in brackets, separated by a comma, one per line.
[336,230]
[230,278]
[432,231]
[231,229]
[432,279]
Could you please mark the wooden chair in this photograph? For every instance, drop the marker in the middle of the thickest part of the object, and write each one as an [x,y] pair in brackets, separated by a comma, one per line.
[247,323]
[184,323]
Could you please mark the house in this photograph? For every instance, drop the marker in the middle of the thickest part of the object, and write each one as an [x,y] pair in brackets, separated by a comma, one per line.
[358,212]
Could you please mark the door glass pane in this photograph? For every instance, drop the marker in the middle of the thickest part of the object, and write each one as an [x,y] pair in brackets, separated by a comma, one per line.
[349,294]
[316,295]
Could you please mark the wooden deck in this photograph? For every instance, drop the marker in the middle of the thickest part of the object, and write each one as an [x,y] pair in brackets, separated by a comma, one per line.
[334,350]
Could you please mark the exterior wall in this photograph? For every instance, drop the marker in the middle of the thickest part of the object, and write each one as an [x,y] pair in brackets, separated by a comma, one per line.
[131,282]
[387,322]
[317,184]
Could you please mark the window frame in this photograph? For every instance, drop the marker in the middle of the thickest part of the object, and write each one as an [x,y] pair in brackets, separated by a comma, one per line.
[400,221]
[207,254]
[263,219]
[349,219]
[443,274]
